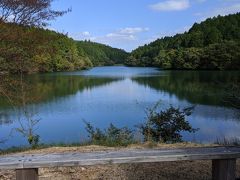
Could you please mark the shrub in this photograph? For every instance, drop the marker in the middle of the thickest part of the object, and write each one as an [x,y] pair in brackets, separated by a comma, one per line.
[112,136]
[166,126]
[33,140]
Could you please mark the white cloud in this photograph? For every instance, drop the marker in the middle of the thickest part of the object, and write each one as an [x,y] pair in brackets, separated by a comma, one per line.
[133,30]
[200,1]
[167,33]
[121,35]
[124,37]
[81,35]
[117,36]
[234,8]
[171,5]
[86,33]
[128,34]
[50,28]
[225,9]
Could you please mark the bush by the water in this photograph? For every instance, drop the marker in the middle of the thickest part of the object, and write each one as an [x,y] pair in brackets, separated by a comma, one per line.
[166,126]
[112,136]
[161,126]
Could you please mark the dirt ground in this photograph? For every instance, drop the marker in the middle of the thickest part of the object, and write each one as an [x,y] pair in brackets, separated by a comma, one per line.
[184,170]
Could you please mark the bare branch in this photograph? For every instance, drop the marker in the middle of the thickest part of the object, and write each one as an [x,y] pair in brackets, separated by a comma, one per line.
[28,12]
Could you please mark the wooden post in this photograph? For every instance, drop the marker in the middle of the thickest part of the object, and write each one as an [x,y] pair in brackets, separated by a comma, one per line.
[224,169]
[27,174]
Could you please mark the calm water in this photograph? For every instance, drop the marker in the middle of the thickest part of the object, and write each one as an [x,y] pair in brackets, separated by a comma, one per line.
[119,95]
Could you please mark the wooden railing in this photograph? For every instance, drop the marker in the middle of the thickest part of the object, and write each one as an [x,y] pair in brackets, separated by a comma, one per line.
[26,166]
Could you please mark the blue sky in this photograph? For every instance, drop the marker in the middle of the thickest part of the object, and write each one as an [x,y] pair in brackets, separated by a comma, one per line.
[127,24]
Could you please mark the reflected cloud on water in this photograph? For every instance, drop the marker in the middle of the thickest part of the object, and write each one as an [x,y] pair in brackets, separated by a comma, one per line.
[119,95]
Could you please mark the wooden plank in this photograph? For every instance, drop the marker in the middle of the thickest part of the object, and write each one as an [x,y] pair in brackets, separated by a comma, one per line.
[27,174]
[117,157]
[224,169]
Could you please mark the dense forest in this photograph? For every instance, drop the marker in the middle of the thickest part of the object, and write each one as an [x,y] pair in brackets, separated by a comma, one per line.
[29,49]
[26,49]
[102,55]
[212,44]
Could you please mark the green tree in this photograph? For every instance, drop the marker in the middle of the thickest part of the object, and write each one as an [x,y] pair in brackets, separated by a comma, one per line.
[213,35]
[204,46]
[112,136]
[166,126]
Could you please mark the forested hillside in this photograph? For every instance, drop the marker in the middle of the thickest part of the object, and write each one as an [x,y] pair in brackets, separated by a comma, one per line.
[100,54]
[29,49]
[212,44]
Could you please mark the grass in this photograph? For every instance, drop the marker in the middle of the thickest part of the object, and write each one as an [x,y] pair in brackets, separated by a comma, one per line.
[221,141]
[44,146]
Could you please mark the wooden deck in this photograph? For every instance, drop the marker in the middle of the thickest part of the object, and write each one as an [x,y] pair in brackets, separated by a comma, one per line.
[224,159]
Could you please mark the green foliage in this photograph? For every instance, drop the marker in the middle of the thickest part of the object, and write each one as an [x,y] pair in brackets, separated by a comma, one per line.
[232,96]
[225,55]
[100,54]
[197,87]
[28,126]
[212,44]
[33,140]
[112,136]
[166,126]
[29,50]
[15,91]
[45,88]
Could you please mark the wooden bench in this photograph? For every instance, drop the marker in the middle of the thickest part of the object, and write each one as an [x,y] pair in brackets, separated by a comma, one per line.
[26,166]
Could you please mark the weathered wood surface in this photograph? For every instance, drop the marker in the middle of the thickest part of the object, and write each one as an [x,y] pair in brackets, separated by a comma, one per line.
[116,157]
[27,174]
[224,169]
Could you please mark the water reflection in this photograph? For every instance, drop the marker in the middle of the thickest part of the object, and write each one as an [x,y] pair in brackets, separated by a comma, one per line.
[20,106]
[119,95]
[45,88]
[5,119]
[197,87]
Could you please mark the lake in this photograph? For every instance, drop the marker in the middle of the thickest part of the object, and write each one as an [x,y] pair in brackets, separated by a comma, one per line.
[120,95]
